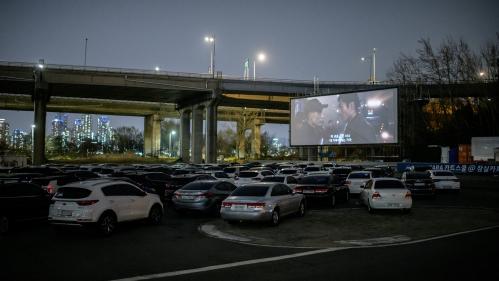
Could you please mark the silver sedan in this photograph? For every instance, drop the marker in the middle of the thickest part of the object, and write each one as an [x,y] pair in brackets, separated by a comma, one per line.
[262,202]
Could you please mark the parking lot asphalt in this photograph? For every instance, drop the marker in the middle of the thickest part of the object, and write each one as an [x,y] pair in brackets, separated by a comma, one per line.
[350,224]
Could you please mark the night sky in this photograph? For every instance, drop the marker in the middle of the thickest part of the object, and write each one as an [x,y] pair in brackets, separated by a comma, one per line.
[301,39]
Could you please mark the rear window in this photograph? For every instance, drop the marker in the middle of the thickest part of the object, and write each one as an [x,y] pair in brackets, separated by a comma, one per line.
[248,174]
[230,170]
[417,176]
[289,172]
[251,190]
[181,181]
[72,193]
[273,179]
[389,184]
[443,174]
[359,176]
[314,180]
[196,185]
[341,171]
[310,169]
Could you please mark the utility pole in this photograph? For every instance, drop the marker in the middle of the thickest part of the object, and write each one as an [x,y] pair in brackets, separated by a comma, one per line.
[85,59]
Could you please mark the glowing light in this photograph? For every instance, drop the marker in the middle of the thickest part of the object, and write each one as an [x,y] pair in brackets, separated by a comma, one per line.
[385,135]
[209,39]
[261,57]
[40,66]
[374,103]
[156,68]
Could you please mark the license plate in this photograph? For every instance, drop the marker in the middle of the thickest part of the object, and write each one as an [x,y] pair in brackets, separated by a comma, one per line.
[188,197]
[66,213]
[308,191]
[393,204]
[238,207]
[419,184]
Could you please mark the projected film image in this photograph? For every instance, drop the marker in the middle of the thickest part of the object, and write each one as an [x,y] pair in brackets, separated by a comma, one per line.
[368,117]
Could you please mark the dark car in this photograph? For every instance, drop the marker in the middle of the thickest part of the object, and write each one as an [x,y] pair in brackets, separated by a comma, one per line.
[202,195]
[176,182]
[322,187]
[47,171]
[340,174]
[22,201]
[150,180]
[376,172]
[419,183]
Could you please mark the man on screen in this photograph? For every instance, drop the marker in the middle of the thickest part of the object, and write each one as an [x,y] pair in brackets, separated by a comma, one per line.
[310,131]
[356,129]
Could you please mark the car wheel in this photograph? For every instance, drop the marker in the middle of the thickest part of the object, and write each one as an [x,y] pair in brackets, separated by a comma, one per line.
[302,209]
[107,223]
[215,209]
[155,215]
[333,200]
[275,219]
[4,224]
[369,208]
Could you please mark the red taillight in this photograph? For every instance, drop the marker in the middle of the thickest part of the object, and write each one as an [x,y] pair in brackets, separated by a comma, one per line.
[376,195]
[50,189]
[408,194]
[226,204]
[86,202]
[321,190]
[299,190]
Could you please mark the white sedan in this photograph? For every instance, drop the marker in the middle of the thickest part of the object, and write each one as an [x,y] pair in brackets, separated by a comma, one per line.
[445,180]
[246,177]
[386,193]
[357,179]
[103,203]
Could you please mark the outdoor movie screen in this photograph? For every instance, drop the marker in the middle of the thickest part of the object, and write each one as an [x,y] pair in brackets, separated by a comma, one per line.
[367,117]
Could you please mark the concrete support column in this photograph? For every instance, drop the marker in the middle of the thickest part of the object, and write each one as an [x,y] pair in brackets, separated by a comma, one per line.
[211,133]
[40,98]
[242,143]
[152,135]
[256,142]
[197,135]
[185,135]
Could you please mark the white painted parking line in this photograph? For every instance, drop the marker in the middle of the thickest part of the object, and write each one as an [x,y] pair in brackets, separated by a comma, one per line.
[292,256]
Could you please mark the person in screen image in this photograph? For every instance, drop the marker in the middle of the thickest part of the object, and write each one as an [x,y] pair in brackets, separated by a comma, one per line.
[356,129]
[310,131]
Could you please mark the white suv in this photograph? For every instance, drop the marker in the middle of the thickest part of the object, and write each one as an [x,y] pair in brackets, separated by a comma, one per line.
[103,202]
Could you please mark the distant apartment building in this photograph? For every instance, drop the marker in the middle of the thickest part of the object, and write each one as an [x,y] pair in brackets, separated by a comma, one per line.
[4,132]
[60,128]
[19,140]
[77,133]
[103,130]
[87,126]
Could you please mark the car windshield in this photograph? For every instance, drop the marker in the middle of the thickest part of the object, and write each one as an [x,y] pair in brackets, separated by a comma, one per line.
[417,176]
[310,169]
[443,174]
[273,179]
[314,180]
[359,176]
[288,172]
[248,174]
[251,190]
[389,184]
[72,193]
[198,186]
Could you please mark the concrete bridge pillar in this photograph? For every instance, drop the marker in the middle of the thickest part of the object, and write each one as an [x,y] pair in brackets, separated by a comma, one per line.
[211,132]
[152,135]
[242,143]
[197,134]
[185,135]
[256,139]
[40,99]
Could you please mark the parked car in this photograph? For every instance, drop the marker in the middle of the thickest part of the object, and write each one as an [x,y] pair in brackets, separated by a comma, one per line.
[377,172]
[340,174]
[386,193]
[51,183]
[262,202]
[309,169]
[21,202]
[103,203]
[149,180]
[356,179]
[445,180]
[203,195]
[219,175]
[419,183]
[288,180]
[289,171]
[251,176]
[322,187]
[234,171]
[176,182]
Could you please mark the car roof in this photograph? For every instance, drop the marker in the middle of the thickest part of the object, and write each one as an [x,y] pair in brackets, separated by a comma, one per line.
[95,183]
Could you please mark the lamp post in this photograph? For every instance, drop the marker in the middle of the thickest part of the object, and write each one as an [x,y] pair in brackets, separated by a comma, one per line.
[170,142]
[32,143]
[211,39]
[261,58]
[372,71]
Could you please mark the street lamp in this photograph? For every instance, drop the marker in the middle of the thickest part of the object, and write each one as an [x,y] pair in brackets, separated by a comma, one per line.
[261,58]
[157,68]
[170,142]
[372,71]
[211,40]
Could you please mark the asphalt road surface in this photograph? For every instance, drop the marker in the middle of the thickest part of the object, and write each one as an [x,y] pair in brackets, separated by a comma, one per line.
[177,248]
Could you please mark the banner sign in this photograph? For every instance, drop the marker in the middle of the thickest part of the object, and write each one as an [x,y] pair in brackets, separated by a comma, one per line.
[480,169]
